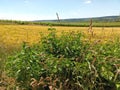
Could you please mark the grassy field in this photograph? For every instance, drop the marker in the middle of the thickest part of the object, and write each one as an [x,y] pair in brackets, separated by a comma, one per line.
[16,34]
[79,23]
[12,36]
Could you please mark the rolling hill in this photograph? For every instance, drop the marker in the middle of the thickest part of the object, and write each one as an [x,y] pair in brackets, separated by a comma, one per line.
[102,19]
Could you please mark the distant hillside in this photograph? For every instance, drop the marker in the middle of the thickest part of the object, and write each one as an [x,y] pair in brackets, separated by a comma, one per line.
[107,21]
[101,19]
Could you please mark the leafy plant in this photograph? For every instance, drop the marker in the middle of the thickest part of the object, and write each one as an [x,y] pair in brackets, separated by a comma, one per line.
[24,65]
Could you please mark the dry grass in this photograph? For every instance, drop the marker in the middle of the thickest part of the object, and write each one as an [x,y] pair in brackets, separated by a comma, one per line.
[14,35]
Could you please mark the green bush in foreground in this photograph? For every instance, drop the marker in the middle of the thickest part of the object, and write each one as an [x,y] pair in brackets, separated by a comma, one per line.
[66,62]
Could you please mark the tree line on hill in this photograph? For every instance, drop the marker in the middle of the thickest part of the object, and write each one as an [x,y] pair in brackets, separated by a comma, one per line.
[108,21]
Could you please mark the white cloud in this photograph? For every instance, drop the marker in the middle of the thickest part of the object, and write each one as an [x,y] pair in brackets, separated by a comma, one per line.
[88,1]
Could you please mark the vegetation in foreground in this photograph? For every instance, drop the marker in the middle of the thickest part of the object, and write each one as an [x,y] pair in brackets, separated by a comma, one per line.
[66,62]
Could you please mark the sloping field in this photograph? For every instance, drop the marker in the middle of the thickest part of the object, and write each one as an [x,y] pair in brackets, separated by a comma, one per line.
[16,34]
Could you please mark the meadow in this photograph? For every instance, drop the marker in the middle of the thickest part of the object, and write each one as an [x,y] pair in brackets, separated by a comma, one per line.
[16,34]
[12,36]
[58,54]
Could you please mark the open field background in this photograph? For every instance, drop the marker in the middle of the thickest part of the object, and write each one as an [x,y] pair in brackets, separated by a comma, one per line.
[16,34]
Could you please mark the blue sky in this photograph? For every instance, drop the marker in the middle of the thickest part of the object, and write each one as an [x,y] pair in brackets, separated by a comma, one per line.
[46,9]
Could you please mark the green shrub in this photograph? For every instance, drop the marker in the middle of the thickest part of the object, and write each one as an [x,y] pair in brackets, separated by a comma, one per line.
[68,45]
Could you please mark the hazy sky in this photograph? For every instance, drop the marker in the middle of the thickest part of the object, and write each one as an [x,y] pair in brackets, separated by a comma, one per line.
[46,9]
